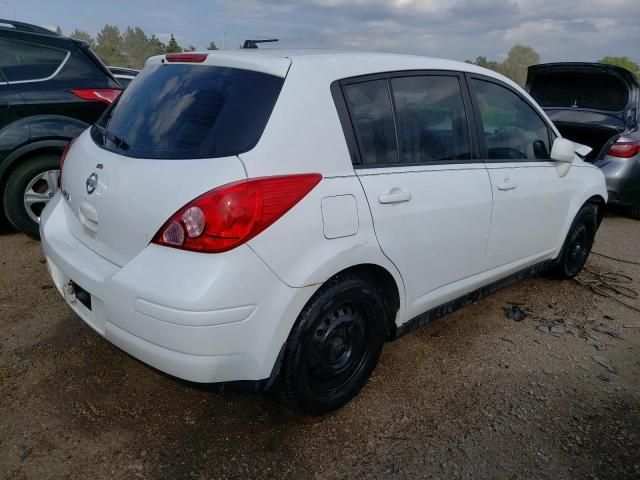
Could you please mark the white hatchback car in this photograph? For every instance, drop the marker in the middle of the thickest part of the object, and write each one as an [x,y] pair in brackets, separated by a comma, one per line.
[262,216]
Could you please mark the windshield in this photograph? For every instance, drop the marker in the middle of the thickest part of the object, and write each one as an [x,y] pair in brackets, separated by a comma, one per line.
[596,91]
[189,111]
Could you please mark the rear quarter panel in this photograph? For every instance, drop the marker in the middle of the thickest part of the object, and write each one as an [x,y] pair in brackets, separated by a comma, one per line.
[298,251]
[304,135]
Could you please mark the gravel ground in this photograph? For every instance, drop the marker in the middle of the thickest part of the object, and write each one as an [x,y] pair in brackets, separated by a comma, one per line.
[474,395]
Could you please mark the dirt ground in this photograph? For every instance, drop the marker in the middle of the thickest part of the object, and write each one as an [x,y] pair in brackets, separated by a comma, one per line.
[474,395]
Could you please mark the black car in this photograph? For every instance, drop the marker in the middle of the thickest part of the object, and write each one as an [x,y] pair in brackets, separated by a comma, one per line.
[51,89]
[599,106]
[124,75]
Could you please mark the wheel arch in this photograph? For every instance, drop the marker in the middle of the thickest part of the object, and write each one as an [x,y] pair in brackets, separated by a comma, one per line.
[594,193]
[599,203]
[23,153]
[387,285]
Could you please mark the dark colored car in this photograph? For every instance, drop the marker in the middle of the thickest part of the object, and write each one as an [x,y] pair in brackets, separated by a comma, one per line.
[599,106]
[51,89]
[124,75]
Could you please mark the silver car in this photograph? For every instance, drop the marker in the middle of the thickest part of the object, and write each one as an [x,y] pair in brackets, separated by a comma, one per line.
[599,106]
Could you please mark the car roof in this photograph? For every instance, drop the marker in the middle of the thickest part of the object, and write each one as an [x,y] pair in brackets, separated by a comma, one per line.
[343,63]
[10,29]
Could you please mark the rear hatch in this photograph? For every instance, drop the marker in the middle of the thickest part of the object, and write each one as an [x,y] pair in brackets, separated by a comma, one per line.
[173,135]
[589,103]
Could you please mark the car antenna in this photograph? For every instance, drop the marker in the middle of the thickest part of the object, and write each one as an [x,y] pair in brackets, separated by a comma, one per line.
[254,43]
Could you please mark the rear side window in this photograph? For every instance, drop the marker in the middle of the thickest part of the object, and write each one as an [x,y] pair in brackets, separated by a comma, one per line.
[372,116]
[23,62]
[431,119]
[512,128]
[189,111]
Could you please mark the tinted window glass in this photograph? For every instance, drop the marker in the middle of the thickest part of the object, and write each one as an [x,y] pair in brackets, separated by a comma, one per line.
[431,119]
[370,108]
[190,111]
[512,128]
[22,61]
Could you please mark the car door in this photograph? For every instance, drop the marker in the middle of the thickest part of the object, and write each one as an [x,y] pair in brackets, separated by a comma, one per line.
[530,198]
[14,125]
[429,198]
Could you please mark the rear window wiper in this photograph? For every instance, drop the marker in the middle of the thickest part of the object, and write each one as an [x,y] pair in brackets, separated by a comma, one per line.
[116,140]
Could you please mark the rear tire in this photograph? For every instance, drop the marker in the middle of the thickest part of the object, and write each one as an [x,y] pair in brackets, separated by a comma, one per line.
[334,346]
[578,243]
[633,212]
[38,176]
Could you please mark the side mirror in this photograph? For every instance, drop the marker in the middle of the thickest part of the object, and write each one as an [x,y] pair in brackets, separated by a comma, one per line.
[563,150]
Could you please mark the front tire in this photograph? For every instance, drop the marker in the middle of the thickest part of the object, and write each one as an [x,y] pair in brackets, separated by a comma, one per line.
[28,189]
[578,243]
[334,345]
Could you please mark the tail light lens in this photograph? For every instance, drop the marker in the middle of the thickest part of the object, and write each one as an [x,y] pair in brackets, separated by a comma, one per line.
[625,149]
[232,214]
[104,95]
[186,57]
[63,157]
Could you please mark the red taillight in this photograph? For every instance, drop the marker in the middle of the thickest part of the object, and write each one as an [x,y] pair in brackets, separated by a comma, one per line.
[63,158]
[232,214]
[186,57]
[104,95]
[625,149]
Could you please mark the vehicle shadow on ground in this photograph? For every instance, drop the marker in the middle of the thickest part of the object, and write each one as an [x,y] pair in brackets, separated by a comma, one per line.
[6,227]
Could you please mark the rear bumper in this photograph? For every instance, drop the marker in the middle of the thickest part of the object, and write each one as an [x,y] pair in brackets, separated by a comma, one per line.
[202,318]
[623,179]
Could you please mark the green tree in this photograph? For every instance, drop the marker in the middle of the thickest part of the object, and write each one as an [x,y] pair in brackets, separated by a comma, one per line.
[110,46]
[624,62]
[59,30]
[190,48]
[519,59]
[490,64]
[212,46]
[137,47]
[172,46]
[156,47]
[84,36]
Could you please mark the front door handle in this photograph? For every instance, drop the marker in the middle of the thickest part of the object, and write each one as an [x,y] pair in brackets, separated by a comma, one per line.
[394,196]
[507,185]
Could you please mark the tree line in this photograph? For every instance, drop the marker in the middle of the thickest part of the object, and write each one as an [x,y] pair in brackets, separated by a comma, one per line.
[521,57]
[129,48]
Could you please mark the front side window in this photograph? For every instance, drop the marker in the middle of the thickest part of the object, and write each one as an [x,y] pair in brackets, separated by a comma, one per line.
[512,128]
[431,119]
[372,117]
[23,61]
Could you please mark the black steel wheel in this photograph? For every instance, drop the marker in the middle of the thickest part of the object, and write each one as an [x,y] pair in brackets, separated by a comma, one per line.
[578,243]
[334,346]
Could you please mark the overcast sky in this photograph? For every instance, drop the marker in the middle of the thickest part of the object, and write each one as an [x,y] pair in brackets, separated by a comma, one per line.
[458,29]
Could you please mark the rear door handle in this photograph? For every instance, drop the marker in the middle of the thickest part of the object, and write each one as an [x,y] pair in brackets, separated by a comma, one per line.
[394,196]
[507,185]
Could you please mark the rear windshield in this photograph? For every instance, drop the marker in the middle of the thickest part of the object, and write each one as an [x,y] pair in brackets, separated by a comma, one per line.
[189,111]
[595,91]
